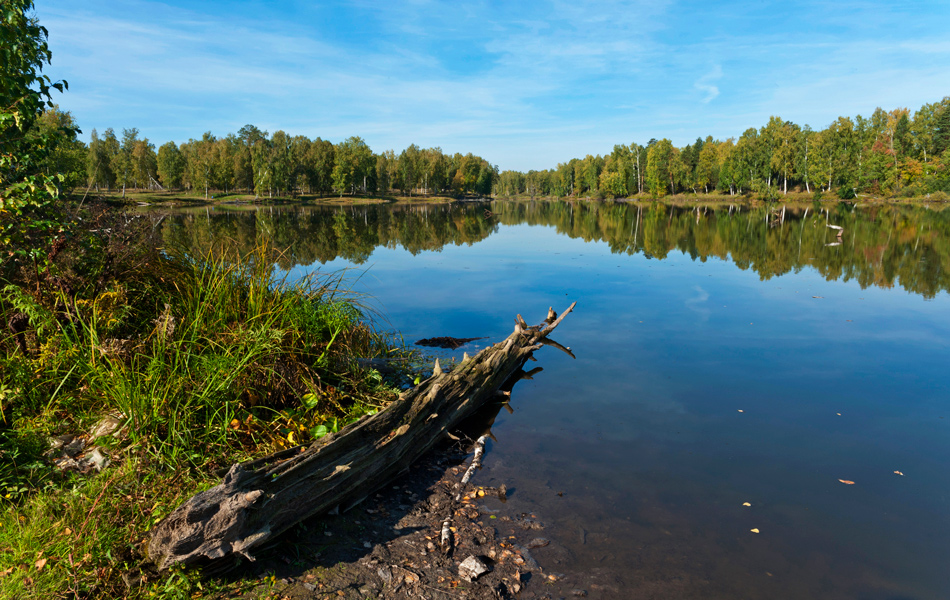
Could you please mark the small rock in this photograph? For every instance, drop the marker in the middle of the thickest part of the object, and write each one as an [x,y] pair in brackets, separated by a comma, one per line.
[59,441]
[107,426]
[328,533]
[309,587]
[74,447]
[385,574]
[538,543]
[579,593]
[471,568]
[97,459]
[66,464]
[367,544]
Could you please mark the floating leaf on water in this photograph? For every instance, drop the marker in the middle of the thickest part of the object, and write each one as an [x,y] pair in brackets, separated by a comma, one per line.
[846,481]
[822,297]
[756,530]
[746,504]
[740,410]
[898,473]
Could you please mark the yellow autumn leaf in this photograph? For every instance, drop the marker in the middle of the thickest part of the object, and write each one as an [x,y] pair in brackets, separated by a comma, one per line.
[846,481]
[756,530]
[898,473]
[746,504]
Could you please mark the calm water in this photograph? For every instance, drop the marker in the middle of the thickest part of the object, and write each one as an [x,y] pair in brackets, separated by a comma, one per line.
[725,356]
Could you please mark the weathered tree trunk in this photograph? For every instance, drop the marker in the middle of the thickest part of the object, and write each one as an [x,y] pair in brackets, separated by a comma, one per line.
[260,499]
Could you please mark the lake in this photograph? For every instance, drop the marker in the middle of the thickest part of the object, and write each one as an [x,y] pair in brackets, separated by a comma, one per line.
[758,407]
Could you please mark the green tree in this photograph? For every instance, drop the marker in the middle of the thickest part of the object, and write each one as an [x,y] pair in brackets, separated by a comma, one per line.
[783,152]
[99,163]
[660,168]
[170,165]
[707,167]
[66,154]
[410,166]
[144,163]
[29,217]
[353,165]
[942,129]
[613,183]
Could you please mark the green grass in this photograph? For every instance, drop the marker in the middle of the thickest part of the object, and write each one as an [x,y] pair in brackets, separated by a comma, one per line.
[205,360]
[198,198]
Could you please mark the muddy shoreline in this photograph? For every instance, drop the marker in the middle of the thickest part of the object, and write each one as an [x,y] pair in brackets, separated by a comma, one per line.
[389,545]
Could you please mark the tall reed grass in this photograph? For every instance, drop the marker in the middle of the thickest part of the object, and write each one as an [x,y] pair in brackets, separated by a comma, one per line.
[203,359]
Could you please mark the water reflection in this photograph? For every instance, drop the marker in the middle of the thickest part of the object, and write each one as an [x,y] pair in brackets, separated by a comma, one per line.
[837,372]
[888,245]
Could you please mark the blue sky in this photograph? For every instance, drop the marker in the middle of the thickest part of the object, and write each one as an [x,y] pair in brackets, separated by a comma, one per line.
[525,85]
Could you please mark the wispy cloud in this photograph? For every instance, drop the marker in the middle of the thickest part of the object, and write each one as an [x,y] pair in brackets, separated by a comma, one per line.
[705,84]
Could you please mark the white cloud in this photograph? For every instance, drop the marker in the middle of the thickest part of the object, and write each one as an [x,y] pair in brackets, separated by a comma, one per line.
[705,84]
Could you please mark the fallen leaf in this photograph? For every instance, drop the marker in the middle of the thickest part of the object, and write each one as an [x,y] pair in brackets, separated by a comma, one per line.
[756,530]
[740,410]
[839,414]
[822,297]
[898,473]
[846,482]
[68,531]
[40,564]
[746,504]
[6,572]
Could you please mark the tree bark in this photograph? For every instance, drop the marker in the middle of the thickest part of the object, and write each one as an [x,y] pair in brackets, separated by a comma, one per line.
[262,498]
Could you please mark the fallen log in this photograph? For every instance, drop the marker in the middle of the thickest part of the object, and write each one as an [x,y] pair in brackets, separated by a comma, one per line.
[262,498]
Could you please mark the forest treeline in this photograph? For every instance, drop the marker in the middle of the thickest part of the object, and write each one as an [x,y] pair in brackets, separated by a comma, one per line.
[255,162]
[883,246]
[889,153]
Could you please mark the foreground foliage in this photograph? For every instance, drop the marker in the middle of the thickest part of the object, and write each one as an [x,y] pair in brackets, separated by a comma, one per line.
[200,361]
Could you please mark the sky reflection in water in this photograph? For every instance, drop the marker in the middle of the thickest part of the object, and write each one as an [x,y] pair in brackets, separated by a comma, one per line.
[697,387]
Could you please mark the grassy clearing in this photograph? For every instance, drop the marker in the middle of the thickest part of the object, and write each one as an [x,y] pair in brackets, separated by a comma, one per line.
[198,198]
[795,196]
[200,361]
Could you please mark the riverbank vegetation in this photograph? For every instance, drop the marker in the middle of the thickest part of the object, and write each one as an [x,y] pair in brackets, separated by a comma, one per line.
[132,370]
[130,374]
